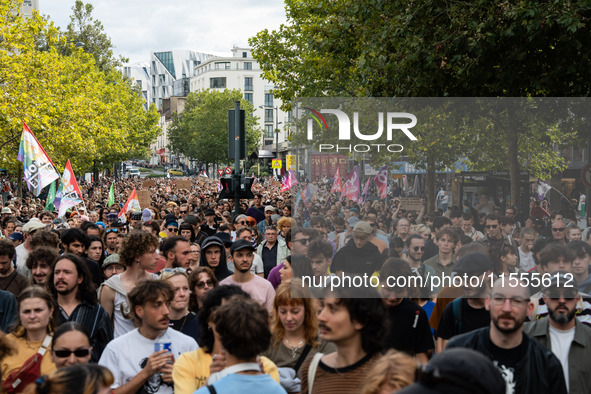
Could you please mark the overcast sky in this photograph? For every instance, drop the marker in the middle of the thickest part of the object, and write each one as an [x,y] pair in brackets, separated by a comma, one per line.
[138,27]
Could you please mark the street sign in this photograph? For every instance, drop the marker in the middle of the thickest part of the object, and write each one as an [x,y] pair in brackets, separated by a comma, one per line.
[220,171]
[228,170]
[586,176]
[276,164]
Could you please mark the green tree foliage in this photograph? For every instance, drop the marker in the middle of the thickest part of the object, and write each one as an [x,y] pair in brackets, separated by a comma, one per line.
[76,111]
[201,131]
[83,30]
[438,49]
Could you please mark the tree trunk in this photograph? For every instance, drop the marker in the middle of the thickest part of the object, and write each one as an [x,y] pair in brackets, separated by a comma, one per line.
[430,183]
[19,183]
[511,135]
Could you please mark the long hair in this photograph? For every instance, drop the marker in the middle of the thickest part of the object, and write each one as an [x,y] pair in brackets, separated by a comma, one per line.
[86,289]
[193,279]
[291,293]
[34,292]
[74,379]
[394,368]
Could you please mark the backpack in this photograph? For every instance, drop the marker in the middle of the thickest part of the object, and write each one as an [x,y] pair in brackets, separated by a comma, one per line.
[456,308]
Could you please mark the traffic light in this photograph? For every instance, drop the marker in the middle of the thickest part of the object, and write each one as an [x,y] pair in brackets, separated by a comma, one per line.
[232,184]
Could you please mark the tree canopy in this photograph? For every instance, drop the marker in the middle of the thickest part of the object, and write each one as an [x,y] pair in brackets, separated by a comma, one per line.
[201,131]
[76,111]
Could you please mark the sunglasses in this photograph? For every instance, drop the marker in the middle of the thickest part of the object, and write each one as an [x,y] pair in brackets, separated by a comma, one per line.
[557,229]
[66,353]
[172,229]
[303,241]
[242,222]
[112,230]
[183,211]
[555,296]
[416,248]
[491,226]
[201,285]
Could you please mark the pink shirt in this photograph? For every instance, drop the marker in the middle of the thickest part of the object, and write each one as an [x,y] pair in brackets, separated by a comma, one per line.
[258,288]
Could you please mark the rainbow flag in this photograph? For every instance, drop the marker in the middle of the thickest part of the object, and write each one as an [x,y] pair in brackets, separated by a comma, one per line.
[68,194]
[289,181]
[39,171]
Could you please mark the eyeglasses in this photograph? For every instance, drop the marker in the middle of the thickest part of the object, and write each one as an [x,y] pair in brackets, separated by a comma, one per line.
[66,353]
[111,230]
[201,285]
[416,248]
[303,241]
[557,229]
[516,302]
[491,226]
[556,296]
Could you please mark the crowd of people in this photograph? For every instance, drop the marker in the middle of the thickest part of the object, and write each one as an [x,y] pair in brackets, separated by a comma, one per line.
[187,295]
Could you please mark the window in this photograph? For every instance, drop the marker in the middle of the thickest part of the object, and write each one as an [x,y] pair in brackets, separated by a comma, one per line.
[153,79]
[248,65]
[248,96]
[154,65]
[163,91]
[268,131]
[222,65]
[269,115]
[153,91]
[268,142]
[244,54]
[248,84]
[217,83]
[161,79]
[139,82]
[268,100]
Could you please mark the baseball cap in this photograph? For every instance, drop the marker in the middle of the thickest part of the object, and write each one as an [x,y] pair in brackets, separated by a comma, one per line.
[473,263]
[32,225]
[6,210]
[16,236]
[561,280]
[354,210]
[111,217]
[362,227]
[146,215]
[191,219]
[240,245]
[225,237]
[209,211]
[211,241]
[269,208]
[458,371]
[135,216]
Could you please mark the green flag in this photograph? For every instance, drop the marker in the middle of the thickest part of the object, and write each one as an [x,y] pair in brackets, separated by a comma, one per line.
[50,197]
[111,195]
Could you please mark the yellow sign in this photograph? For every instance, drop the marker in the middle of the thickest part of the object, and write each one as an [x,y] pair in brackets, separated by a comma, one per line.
[277,164]
[291,162]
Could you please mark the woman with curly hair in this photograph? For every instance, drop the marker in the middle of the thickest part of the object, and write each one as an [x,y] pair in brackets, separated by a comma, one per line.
[391,373]
[138,254]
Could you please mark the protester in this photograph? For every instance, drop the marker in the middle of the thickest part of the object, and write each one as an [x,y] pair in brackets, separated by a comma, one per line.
[392,372]
[75,379]
[70,345]
[201,281]
[181,319]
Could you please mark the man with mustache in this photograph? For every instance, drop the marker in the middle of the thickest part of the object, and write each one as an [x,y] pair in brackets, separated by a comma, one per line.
[142,359]
[526,366]
[71,285]
[567,337]
[259,289]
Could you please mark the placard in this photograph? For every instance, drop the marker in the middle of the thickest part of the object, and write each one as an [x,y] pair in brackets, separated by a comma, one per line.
[148,183]
[144,197]
[411,203]
[184,184]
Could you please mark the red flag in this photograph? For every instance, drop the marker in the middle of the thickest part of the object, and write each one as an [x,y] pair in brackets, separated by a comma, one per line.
[133,203]
[381,180]
[289,181]
[71,178]
[351,187]
[336,186]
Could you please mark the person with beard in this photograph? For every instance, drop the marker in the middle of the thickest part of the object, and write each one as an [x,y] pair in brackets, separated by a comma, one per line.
[40,263]
[177,251]
[567,337]
[142,359]
[526,366]
[72,288]
[259,289]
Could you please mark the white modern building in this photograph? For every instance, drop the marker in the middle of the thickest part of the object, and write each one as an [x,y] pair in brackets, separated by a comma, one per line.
[28,6]
[241,72]
[140,73]
[170,72]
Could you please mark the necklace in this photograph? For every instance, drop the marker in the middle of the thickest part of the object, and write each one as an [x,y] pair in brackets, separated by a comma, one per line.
[294,349]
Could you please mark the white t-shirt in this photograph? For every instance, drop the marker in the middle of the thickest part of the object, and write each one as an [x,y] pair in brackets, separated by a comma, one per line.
[526,261]
[261,290]
[560,342]
[127,355]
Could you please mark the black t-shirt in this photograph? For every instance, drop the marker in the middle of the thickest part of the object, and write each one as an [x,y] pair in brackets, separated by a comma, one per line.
[409,329]
[188,325]
[471,319]
[354,260]
[506,360]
